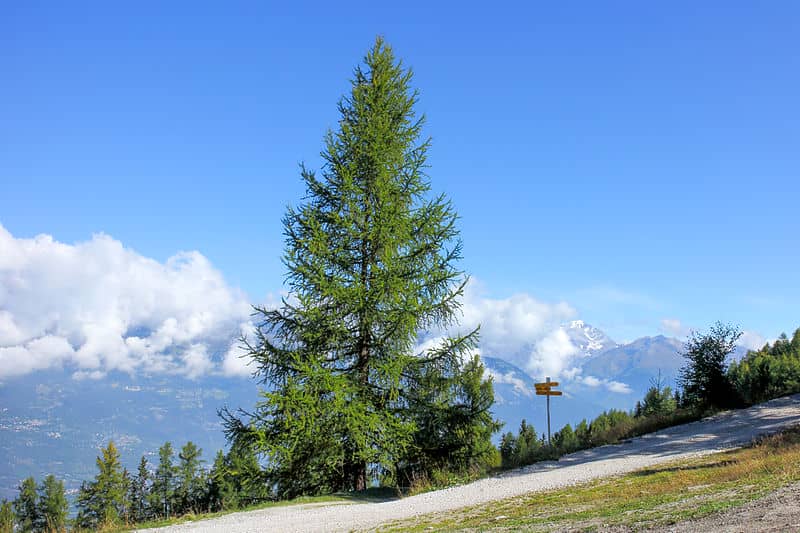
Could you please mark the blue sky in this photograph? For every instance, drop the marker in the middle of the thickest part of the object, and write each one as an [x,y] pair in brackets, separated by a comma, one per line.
[638,161]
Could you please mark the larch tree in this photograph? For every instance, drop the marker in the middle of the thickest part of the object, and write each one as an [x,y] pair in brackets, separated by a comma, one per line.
[6,517]
[163,488]
[372,262]
[26,506]
[190,481]
[140,486]
[53,505]
[101,502]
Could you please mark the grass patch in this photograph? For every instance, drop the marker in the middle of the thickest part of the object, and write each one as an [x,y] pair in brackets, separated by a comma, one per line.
[661,495]
[367,496]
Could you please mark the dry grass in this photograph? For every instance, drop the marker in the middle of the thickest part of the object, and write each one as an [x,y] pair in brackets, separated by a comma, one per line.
[657,496]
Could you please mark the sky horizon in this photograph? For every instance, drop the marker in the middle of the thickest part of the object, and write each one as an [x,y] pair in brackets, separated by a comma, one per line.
[631,166]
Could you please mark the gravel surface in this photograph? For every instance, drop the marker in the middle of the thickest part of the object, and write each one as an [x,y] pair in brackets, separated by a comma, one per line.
[723,431]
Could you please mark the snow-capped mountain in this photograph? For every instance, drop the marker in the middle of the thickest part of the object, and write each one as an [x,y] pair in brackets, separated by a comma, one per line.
[588,339]
[606,375]
[638,362]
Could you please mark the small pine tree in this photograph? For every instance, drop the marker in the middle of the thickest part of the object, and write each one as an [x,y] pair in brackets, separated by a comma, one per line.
[6,517]
[125,508]
[101,503]
[139,492]
[26,506]
[221,492]
[527,445]
[190,482]
[582,433]
[237,479]
[164,481]
[454,426]
[565,440]
[53,505]
[507,444]
[658,400]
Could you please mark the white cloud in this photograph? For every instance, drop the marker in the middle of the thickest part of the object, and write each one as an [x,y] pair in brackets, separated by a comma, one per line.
[616,386]
[674,327]
[553,354]
[98,306]
[511,378]
[750,340]
[85,374]
[610,385]
[591,381]
[521,329]
[235,363]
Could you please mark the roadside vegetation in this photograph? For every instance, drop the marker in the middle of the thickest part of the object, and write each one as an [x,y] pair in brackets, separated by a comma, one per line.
[659,496]
[709,384]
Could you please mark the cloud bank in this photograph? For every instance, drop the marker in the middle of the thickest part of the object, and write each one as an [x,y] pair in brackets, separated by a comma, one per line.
[521,329]
[97,306]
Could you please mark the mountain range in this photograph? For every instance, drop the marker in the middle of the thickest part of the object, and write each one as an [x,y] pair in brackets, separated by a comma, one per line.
[606,375]
[52,423]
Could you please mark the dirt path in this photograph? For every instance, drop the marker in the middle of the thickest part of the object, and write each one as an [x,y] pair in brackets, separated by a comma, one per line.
[710,435]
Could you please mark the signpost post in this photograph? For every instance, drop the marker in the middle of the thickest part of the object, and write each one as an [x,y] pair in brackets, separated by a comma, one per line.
[544,389]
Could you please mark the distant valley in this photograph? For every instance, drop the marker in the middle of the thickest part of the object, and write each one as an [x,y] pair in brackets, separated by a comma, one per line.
[51,423]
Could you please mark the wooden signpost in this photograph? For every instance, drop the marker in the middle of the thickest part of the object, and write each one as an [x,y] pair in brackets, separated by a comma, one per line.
[545,389]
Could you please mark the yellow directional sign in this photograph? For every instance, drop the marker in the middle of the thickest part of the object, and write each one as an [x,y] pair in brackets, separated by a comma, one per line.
[544,389]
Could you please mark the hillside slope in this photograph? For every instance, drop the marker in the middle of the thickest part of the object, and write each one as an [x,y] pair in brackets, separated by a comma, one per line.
[710,435]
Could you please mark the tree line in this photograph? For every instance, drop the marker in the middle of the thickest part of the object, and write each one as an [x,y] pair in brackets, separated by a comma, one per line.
[709,380]
[659,408]
[178,485]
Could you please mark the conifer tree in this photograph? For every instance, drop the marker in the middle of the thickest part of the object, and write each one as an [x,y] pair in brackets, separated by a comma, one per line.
[221,492]
[582,433]
[372,262]
[565,440]
[6,517]
[237,479]
[101,502]
[189,482]
[164,480]
[139,492]
[507,444]
[453,423]
[53,505]
[26,506]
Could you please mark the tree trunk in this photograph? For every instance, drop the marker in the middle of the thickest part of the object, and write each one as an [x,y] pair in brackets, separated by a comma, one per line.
[361,477]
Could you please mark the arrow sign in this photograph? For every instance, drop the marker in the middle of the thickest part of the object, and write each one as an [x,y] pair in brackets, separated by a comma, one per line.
[543,389]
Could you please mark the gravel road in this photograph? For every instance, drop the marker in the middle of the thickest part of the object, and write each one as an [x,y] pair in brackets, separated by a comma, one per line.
[723,431]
